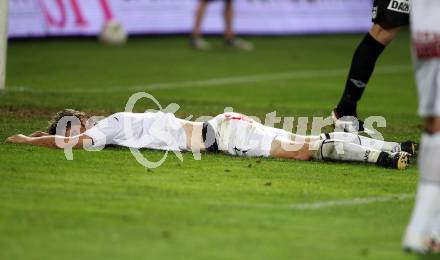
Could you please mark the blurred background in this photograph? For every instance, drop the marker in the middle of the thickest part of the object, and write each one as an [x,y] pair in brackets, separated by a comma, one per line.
[39,18]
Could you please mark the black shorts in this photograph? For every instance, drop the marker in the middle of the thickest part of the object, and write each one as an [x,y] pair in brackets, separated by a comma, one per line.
[391,13]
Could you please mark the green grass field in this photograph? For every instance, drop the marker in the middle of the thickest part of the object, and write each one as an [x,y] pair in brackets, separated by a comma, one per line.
[104,205]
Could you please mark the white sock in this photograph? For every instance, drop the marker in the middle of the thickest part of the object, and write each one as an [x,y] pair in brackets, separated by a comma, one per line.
[365,141]
[429,158]
[427,208]
[338,150]
[435,232]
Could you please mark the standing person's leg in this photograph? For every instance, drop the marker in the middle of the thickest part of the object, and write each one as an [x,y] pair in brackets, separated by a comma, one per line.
[230,39]
[426,212]
[362,67]
[387,20]
[228,15]
[196,35]
[425,32]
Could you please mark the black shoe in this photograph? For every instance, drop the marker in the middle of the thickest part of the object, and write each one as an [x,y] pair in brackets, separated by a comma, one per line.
[409,147]
[398,160]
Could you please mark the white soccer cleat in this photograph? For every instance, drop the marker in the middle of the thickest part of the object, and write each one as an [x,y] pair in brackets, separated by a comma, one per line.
[435,243]
[421,244]
[200,44]
[239,44]
[349,124]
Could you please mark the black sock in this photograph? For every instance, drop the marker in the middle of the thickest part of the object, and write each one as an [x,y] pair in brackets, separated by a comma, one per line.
[362,66]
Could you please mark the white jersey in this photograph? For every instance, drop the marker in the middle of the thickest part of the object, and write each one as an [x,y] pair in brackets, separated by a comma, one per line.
[425,28]
[425,34]
[153,130]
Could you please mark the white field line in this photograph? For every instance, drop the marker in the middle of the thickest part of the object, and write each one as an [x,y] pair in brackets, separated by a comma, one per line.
[269,77]
[321,204]
[223,81]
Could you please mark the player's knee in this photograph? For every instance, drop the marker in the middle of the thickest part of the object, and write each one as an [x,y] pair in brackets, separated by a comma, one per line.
[432,125]
[322,150]
[384,33]
[327,149]
[305,157]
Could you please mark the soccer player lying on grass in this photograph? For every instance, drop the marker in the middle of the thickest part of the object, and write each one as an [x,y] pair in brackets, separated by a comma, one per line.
[231,133]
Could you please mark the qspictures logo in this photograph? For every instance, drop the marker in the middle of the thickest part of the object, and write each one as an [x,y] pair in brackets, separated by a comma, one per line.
[161,130]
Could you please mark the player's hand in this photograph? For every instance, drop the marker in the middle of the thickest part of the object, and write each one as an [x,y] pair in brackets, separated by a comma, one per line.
[38,134]
[17,139]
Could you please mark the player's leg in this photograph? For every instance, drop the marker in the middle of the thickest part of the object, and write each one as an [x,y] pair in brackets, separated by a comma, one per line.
[288,149]
[387,22]
[230,39]
[239,135]
[337,150]
[228,15]
[199,15]
[407,146]
[425,218]
[422,232]
[196,37]
[334,150]
[362,67]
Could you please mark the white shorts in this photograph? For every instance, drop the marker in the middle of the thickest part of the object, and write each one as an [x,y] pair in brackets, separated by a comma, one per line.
[240,135]
[425,34]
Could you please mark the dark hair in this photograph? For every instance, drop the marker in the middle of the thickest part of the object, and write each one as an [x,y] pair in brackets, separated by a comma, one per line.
[52,129]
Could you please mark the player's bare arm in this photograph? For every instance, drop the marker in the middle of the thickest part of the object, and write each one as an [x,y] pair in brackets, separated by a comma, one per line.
[52,141]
